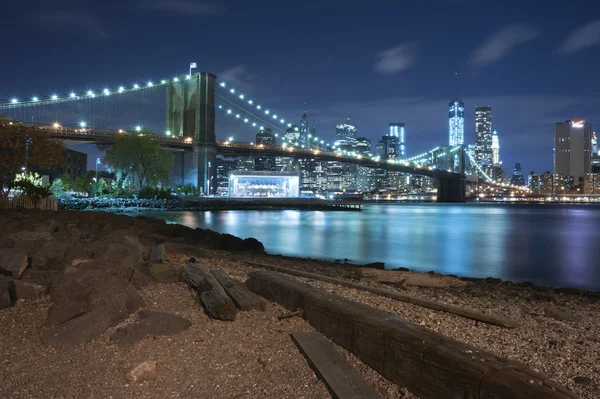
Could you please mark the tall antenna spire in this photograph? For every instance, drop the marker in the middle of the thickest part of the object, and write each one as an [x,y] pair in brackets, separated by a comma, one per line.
[455,85]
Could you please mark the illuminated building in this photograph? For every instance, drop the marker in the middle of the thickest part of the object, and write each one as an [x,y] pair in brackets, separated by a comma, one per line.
[517,177]
[252,184]
[456,122]
[573,149]
[345,134]
[483,136]
[591,183]
[304,131]
[398,130]
[495,149]
[263,162]
[594,144]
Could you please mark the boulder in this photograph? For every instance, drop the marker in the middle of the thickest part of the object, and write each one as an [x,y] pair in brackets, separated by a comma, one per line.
[150,323]
[51,255]
[228,242]
[41,277]
[6,242]
[29,290]
[119,259]
[76,293]
[6,292]
[166,272]
[13,261]
[85,327]
[143,371]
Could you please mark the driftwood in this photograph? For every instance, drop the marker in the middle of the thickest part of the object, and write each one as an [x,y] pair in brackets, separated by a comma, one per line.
[298,312]
[243,298]
[214,299]
[341,379]
[408,278]
[497,321]
[429,364]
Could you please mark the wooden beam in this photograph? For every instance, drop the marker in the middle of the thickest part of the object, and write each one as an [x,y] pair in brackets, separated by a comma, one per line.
[409,278]
[428,364]
[470,314]
[341,379]
[215,300]
[243,298]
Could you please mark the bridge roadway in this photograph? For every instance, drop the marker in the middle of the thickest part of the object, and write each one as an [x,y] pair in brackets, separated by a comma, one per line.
[227,148]
[451,185]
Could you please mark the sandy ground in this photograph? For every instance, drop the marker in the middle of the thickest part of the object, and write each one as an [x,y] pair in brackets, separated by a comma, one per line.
[254,357]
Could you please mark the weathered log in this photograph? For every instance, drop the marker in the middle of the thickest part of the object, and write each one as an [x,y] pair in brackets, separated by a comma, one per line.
[215,300]
[243,298]
[341,379]
[409,278]
[497,321]
[429,364]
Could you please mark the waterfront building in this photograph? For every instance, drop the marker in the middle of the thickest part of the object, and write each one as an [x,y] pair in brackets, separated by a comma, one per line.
[224,167]
[252,184]
[573,149]
[594,144]
[304,139]
[483,136]
[75,165]
[456,122]
[591,183]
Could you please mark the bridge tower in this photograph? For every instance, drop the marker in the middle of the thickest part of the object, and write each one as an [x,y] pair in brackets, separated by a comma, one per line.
[453,189]
[191,114]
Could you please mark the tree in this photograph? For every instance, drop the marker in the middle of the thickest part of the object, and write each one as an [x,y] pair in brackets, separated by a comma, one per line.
[23,146]
[31,185]
[140,157]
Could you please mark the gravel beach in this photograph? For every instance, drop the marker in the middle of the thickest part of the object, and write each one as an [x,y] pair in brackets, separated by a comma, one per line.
[254,356]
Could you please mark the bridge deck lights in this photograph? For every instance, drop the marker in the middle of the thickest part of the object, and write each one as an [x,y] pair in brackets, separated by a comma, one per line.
[54,97]
[14,101]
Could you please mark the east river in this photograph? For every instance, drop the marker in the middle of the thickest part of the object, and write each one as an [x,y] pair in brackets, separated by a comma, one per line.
[555,245]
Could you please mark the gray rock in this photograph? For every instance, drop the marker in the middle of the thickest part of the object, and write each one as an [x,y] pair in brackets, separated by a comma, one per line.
[150,323]
[157,254]
[119,259]
[6,292]
[28,290]
[80,292]
[557,314]
[50,255]
[85,327]
[166,273]
[41,277]
[13,261]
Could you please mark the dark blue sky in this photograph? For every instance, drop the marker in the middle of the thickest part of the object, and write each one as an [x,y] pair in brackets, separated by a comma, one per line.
[534,62]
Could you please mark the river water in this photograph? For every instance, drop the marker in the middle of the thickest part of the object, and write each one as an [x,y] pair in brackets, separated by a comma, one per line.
[555,245]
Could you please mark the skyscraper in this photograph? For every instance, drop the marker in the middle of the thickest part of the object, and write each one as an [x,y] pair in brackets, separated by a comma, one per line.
[594,144]
[397,130]
[573,148]
[456,122]
[346,131]
[483,136]
[517,177]
[495,149]
[304,130]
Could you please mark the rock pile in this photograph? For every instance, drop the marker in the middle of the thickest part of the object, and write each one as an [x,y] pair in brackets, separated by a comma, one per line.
[91,264]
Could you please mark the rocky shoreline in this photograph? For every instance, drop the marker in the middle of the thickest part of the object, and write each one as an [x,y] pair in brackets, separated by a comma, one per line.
[92,304]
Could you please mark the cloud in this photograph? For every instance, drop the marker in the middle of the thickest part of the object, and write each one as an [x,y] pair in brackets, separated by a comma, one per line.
[234,74]
[71,21]
[581,38]
[396,59]
[189,7]
[501,43]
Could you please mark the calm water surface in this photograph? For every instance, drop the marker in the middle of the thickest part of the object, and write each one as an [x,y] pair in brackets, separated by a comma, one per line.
[555,245]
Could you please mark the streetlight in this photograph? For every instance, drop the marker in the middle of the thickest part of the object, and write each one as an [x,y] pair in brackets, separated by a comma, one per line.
[138,128]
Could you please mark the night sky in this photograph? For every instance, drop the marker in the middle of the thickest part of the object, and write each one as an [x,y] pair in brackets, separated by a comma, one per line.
[534,62]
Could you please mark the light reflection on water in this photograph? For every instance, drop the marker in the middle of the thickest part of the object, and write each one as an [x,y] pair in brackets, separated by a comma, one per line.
[545,244]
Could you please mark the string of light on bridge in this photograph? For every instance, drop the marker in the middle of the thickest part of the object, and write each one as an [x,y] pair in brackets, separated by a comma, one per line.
[17,102]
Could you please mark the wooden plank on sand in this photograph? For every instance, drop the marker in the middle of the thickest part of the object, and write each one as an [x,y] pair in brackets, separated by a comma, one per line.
[430,365]
[215,300]
[341,379]
[243,298]
[408,278]
[470,314]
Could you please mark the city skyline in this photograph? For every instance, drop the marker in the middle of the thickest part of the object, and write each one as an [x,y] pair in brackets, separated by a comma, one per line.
[523,69]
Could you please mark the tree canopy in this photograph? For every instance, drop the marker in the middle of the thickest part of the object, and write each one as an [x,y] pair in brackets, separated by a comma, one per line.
[140,158]
[23,146]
